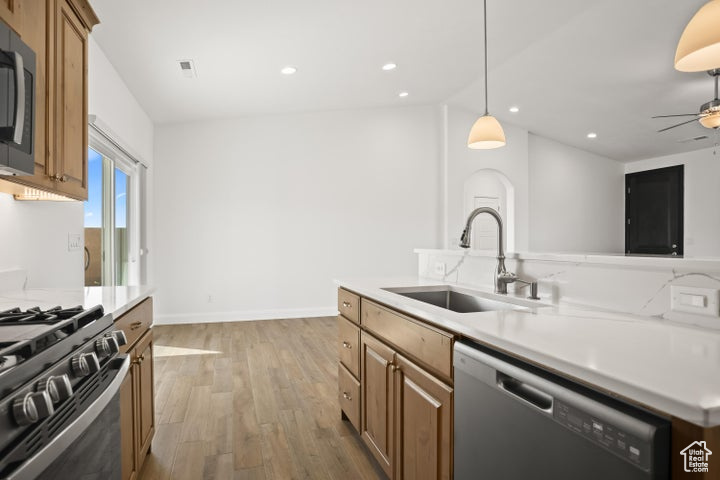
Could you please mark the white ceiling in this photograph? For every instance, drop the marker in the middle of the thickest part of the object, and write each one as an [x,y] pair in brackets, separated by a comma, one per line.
[571,66]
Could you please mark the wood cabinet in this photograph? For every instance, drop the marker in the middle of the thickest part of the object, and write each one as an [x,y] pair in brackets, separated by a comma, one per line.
[137,405]
[424,408]
[57,30]
[406,419]
[11,13]
[377,401]
[145,412]
[128,450]
[348,347]
[405,383]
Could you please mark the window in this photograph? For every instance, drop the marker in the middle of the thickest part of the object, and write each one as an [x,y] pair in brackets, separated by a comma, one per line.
[112,211]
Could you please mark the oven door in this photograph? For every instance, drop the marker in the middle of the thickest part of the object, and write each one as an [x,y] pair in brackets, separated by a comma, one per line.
[88,447]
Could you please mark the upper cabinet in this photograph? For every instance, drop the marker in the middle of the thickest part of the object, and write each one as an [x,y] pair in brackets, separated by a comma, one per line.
[11,13]
[57,30]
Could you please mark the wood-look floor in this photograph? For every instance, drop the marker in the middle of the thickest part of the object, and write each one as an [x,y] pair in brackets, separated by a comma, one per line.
[251,400]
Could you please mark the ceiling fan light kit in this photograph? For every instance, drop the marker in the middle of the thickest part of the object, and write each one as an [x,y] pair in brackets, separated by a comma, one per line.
[699,45]
[709,115]
[711,121]
[486,132]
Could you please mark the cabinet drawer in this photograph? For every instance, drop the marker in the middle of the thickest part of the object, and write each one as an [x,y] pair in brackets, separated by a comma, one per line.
[349,305]
[429,346]
[349,395]
[135,323]
[348,345]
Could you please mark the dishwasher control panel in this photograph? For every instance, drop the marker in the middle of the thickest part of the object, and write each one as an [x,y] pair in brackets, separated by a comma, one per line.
[605,434]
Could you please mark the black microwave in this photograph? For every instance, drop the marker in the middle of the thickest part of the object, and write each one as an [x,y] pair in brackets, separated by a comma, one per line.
[17,104]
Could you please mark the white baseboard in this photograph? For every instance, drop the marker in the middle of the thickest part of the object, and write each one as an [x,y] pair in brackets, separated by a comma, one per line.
[243,316]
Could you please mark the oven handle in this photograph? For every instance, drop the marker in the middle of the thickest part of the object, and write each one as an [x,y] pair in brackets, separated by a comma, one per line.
[37,464]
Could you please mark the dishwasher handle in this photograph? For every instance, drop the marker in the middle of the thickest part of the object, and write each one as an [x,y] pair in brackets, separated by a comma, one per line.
[525,392]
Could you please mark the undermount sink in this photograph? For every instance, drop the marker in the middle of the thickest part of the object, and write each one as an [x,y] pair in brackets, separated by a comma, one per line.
[455,299]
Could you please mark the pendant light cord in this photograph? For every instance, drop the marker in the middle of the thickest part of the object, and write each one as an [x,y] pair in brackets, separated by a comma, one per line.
[486,50]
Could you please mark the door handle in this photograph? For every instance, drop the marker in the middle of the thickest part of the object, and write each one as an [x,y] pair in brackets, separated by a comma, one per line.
[14,133]
[527,393]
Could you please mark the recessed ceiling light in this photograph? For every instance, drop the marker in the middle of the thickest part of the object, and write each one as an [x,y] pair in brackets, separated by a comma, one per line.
[288,70]
[389,66]
[592,135]
[403,94]
[514,109]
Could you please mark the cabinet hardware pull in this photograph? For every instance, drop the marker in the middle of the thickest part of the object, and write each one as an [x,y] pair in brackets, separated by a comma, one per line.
[346,304]
[347,345]
[347,396]
[135,325]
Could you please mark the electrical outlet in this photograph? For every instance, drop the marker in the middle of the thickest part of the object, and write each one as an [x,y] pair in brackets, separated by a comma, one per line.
[439,268]
[701,301]
[74,242]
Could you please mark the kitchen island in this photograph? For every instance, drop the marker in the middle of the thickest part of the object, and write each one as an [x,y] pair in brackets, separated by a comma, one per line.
[670,369]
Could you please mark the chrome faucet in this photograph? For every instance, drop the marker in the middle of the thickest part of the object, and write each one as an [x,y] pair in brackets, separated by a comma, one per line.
[502,276]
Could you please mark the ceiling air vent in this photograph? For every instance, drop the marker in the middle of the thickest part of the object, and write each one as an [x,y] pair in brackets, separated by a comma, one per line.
[693,139]
[187,67]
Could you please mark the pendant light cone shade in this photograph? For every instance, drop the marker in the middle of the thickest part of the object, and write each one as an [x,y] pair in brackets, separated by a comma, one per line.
[486,133]
[699,46]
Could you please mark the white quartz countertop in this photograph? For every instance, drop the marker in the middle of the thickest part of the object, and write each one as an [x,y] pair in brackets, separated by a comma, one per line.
[670,367]
[115,300]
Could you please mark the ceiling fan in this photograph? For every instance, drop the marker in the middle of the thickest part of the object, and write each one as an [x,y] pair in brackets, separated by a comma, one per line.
[709,116]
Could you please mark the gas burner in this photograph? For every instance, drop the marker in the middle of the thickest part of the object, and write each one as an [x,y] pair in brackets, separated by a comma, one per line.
[37,316]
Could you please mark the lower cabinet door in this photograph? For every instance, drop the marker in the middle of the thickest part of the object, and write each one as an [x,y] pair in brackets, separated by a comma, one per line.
[146,411]
[423,424]
[127,427]
[377,409]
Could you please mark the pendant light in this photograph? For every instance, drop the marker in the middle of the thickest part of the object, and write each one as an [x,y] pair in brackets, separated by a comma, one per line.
[486,133]
[699,45]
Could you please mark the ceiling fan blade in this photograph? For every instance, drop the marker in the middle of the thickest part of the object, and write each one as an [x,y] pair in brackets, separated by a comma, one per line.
[683,123]
[678,115]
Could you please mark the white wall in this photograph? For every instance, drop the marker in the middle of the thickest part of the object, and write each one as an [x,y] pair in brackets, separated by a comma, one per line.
[256,216]
[35,239]
[702,197]
[566,199]
[577,201]
[111,101]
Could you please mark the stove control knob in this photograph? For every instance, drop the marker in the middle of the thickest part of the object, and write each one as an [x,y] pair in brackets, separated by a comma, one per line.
[59,388]
[32,407]
[84,364]
[102,347]
[92,361]
[119,337]
[113,345]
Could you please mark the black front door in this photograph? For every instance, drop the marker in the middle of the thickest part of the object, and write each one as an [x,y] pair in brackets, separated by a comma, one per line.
[654,212]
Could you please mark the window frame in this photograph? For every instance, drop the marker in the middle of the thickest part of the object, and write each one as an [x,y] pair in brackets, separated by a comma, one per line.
[112,158]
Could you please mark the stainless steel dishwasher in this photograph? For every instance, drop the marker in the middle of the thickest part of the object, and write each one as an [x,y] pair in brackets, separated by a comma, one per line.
[515,421]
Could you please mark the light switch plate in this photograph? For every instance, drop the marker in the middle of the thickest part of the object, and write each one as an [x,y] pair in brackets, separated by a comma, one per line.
[700,301]
[74,242]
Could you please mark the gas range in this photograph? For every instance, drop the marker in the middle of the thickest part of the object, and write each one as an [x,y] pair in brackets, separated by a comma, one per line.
[55,366]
